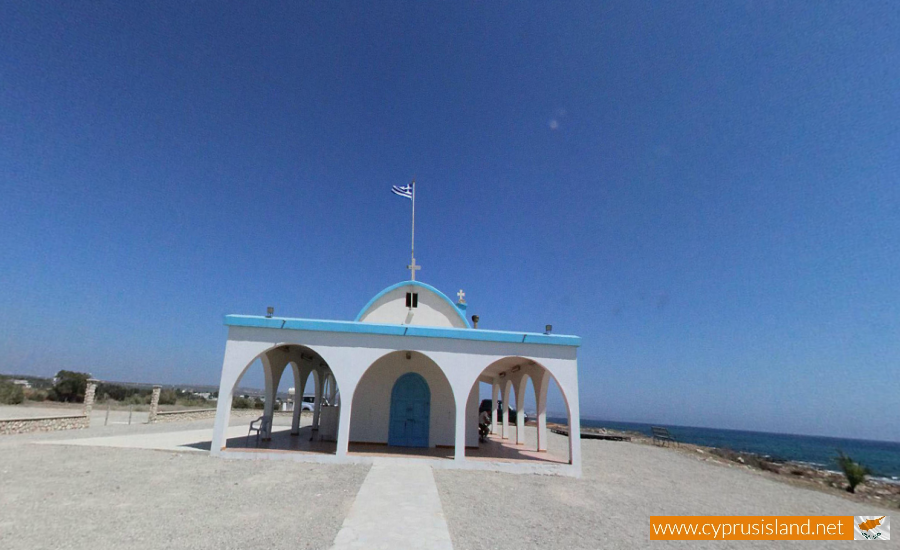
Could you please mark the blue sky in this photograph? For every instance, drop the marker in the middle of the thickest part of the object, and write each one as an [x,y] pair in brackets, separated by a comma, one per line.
[705,192]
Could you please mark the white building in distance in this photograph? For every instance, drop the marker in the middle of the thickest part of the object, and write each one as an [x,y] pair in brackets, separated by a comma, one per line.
[402,380]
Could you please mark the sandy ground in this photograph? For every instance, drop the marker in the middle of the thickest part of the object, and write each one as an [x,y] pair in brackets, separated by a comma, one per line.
[60,496]
[63,496]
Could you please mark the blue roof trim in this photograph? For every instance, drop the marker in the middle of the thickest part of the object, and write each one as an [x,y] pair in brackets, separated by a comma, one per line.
[320,325]
[419,284]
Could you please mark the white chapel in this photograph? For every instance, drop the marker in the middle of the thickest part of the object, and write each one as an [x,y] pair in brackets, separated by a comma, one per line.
[402,381]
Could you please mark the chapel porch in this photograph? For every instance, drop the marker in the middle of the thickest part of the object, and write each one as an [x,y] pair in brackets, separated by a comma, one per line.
[495,449]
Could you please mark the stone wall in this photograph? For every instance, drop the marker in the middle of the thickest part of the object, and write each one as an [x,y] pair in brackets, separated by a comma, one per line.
[183,416]
[12,426]
[190,415]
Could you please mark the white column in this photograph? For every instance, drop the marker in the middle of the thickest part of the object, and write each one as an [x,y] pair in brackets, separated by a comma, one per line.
[298,399]
[571,394]
[540,398]
[343,438]
[332,390]
[238,355]
[520,410]
[459,445]
[269,405]
[504,432]
[495,389]
[317,406]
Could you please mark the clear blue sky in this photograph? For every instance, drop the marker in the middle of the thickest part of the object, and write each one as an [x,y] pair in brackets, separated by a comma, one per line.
[707,193]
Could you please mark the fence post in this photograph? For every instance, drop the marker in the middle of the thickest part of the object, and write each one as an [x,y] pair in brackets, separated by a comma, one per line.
[106,422]
[130,412]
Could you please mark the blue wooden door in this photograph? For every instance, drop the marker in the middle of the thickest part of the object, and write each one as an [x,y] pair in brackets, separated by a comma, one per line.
[410,412]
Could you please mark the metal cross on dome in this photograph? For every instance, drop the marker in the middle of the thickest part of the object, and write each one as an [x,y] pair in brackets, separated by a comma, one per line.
[462,296]
[412,269]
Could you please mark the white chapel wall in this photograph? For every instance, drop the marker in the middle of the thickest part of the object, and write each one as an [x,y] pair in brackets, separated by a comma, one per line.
[432,310]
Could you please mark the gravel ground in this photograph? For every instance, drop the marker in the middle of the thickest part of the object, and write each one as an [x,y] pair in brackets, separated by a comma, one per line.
[97,498]
[610,507]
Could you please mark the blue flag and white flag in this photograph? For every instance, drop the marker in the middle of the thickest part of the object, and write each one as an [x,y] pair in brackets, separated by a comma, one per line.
[403,191]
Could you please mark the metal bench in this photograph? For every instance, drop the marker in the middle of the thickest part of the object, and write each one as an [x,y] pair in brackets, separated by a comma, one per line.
[662,436]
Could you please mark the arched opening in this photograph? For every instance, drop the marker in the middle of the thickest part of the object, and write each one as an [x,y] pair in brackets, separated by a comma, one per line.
[265,414]
[403,404]
[514,397]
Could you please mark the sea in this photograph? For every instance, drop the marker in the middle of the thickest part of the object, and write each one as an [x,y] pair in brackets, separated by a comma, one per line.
[882,457]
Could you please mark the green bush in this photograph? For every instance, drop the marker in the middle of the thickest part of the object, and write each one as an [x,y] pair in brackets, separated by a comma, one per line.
[11,394]
[854,471]
[192,401]
[69,387]
[137,399]
[241,403]
[36,395]
[167,397]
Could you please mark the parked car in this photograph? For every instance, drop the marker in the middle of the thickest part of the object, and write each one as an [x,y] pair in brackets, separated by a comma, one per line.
[486,406]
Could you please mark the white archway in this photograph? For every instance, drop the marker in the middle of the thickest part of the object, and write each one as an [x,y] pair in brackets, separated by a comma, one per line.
[304,361]
[371,399]
[508,378]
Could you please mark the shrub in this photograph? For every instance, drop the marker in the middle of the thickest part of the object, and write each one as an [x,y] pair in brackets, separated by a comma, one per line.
[11,394]
[192,401]
[69,387]
[167,397]
[36,395]
[137,399]
[854,471]
[241,403]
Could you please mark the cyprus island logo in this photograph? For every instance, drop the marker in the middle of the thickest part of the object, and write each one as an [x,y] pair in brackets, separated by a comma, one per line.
[871,528]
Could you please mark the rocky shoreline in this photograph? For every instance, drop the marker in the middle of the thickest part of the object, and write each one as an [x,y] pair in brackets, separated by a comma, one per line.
[873,490]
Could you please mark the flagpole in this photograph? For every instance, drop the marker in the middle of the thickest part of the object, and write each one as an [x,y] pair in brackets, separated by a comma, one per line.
[413,243]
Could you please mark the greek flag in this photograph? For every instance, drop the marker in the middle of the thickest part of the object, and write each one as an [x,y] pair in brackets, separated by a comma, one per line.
[405,191]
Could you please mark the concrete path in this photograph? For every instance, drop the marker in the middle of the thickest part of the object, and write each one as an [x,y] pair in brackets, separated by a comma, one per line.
[397,507]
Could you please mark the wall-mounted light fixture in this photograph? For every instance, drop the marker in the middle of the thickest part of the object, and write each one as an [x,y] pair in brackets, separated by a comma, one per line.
[547,329]
[269,312]
[475,320]
[408,355]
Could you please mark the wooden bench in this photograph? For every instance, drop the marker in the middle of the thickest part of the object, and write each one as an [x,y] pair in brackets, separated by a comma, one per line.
[662,436]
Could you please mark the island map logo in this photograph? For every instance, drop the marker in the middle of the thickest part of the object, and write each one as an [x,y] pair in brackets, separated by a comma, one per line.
[871,528]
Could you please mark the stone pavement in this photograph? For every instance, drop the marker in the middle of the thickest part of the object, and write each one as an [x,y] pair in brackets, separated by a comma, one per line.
[398,506]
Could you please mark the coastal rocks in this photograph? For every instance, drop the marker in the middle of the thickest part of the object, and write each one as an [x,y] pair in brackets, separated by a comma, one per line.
[884,492]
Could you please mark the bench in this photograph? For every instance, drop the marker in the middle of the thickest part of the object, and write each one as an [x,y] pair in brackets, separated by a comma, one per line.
[662,436]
